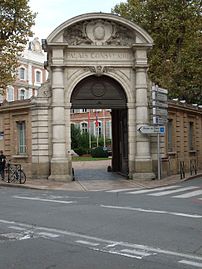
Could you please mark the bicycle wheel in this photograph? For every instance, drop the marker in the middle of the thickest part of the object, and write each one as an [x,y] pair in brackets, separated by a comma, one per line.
[22,177]
[13,177]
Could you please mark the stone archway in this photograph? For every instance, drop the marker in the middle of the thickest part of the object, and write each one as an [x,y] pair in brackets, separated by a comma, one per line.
[95,92]
[98,45]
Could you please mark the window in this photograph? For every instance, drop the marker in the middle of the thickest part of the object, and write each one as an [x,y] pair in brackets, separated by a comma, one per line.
[38,77]
[108,129]
[84,127]
[10,93]
[22,73]
[21,137]
[1,98]
[191,135]
[98,128]
[22,94]
[170,135]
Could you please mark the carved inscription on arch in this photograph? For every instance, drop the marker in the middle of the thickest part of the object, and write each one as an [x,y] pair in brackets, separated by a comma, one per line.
[99,55]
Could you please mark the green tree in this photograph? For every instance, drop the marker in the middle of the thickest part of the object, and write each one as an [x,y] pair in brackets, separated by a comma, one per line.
[175,62]
[16,20]
[79,139]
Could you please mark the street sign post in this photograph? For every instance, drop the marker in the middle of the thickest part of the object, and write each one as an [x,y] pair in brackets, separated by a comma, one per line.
[160,116]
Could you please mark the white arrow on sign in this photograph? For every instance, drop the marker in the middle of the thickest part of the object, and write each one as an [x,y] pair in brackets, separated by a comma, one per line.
[146,129]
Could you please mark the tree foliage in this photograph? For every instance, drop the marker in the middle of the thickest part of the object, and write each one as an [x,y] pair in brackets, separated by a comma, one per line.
[16,20]
[175,62]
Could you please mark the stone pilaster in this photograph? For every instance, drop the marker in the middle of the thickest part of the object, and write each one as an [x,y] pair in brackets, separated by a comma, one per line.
[60,165]
[143,161]
[131,138]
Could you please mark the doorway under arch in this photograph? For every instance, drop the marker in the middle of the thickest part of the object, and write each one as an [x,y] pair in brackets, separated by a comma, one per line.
[103,92]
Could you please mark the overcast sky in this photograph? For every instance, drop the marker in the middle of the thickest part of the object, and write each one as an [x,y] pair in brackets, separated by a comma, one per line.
[51,13]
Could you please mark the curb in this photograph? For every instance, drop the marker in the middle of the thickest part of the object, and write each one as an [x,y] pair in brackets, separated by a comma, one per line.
[83,188]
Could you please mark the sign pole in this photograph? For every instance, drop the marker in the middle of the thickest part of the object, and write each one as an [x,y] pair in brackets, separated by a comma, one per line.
[158,155]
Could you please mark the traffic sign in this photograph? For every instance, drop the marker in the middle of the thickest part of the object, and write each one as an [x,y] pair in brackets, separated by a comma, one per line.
[159,120]
[159,104]
[159,96]
[160,112]
[160,90]
[146,129]
[150,129]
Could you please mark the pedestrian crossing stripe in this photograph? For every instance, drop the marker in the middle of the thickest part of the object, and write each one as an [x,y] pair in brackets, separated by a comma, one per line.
[154,189]
[172,191]
[187,192]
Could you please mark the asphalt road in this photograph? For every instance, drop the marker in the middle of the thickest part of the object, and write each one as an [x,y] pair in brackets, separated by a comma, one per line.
[150,229]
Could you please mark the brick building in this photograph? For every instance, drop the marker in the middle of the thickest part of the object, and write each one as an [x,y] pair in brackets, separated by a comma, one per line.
[97,122]
[30,74]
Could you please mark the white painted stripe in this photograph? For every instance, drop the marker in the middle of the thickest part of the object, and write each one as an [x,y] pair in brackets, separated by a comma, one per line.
[194,216]
[196,264]
[87,243]
[154,189]
[136,252]
[48,234]
[189,194]
[105,241]
[121,190]
[123,254]
[172,191]
[43,200]
[16,228]
[118,253]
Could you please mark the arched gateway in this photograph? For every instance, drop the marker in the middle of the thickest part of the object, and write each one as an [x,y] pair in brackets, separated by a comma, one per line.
[95,60]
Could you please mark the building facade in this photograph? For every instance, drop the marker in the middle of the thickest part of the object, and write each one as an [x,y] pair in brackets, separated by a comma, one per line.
[30,74]
[97,62]
[97,123]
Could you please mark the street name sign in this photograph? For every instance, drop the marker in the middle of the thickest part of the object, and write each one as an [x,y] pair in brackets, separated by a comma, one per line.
[150,129]
[160,112]
[159,96]
[159,120]
[160,90]
[159,104]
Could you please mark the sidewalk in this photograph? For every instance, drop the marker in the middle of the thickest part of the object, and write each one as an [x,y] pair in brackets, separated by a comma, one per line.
[97,185]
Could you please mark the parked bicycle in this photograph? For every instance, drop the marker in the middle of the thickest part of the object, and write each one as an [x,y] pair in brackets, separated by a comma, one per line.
[14,173]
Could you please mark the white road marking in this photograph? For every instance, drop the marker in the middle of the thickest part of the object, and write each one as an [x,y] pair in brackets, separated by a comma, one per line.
[87,243]
[154,189]
[105,241]
[43,200]
[189,194]
[51,235]
[194,216]
[16,228]
[172,191]
[120,253]
[121,190]
[136,252]
[196,264]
